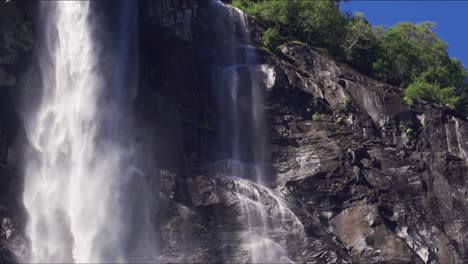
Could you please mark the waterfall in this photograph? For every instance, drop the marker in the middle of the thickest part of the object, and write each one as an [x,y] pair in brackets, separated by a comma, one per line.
[240,80]
[268,219]
[84,192]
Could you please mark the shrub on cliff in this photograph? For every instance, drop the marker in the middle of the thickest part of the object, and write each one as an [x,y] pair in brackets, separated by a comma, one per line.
[412,56]
[271,39]
[361,42]
[407,51]
[318,23]
[420,89]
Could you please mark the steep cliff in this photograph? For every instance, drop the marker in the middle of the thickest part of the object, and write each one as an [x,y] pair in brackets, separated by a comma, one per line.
[371,179]
[388,180]
[362,177]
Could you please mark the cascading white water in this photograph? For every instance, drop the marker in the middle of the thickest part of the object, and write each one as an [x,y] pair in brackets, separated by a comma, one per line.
[75,181]
[265,214]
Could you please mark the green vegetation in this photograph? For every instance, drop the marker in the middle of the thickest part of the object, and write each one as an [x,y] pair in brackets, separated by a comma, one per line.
[409,132]
[408,55]
[271,39]
[431,92]
[318,23]
[361,43]
[418,51]
[316,117]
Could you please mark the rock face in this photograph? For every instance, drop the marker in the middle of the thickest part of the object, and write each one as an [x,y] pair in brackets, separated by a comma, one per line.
[16,40]
[389,180]
[371,178]
[365,178]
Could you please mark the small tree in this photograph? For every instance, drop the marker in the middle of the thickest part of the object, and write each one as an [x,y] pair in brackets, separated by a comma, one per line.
[361,42]
[407,50]
[271,39]
[420,89]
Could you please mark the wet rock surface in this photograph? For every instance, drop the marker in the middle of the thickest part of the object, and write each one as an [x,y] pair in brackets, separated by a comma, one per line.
[369,178]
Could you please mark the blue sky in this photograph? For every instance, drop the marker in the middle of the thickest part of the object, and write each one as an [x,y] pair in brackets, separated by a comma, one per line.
[451,18]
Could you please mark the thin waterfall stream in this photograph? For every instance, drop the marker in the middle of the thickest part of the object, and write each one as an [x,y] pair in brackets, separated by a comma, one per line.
[240,79]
